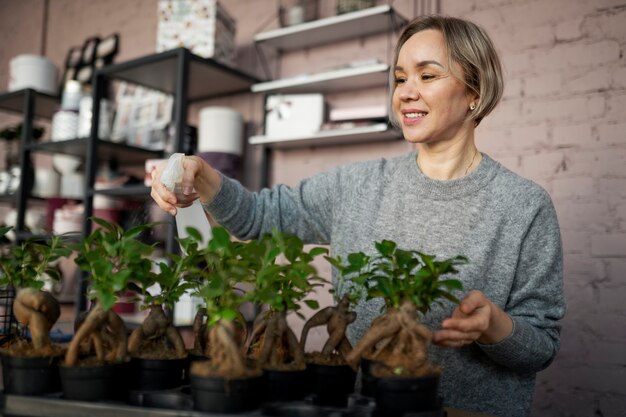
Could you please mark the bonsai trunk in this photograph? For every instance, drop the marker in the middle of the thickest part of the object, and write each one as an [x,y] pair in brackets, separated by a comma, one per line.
[397,341]
[279,347]
[97,326]
[38,310]
[156,332]
[336,318]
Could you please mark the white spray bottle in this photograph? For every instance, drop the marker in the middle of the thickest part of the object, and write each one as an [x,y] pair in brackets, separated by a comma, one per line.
[192,216]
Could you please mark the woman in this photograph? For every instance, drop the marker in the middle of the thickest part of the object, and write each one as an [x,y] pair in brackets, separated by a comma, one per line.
[445,199]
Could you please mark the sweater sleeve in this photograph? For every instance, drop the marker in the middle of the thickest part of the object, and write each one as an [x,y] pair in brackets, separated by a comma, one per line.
[536,302]
[305,210]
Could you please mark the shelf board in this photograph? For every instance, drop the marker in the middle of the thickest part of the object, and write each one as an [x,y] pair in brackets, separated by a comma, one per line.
[45,104]
[125,154]
[364,134]
[129,192]
[207,77]
[343,79]
[331,29]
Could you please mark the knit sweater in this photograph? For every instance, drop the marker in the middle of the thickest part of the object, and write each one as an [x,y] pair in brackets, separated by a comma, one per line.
[505,225]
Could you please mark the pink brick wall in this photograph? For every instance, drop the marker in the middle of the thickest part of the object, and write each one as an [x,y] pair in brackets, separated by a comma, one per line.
[561,123]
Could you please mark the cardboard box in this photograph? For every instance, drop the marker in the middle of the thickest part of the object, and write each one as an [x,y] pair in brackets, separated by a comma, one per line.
[202,26]
[293,115]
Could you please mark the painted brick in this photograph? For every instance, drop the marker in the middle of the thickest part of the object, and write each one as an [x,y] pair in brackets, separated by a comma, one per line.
[516,63]
[616,104]
[588,82]
[543,165]
[590,107]
[529,137]
[583,216]
[608,24]
[618,78]
[612,134]
[569,30]
[603,324]
[573,135]
[578,54]
[575,242]
[614,405]
[609,163]
[542,85]
[616,270]
[573,187]
[513,88]
[612,298]
[608,244]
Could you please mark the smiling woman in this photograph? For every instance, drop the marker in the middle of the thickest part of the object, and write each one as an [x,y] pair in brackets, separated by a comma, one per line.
[447,199]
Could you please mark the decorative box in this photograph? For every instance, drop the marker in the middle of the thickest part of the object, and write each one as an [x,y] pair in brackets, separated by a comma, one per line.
[293,115]
[202,26]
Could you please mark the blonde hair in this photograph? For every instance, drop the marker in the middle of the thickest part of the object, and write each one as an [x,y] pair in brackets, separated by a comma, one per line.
[468,45]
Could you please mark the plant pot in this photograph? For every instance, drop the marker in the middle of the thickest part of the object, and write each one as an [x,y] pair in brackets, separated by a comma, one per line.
[397,396]
[191,358]
[285,385]
[368,381]
[332,384]
[94,383]
[157,374]
[30,375]
[219,395]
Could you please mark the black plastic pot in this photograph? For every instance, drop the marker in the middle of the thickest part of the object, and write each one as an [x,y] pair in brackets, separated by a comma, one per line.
[218,395]
[397,396]
[285,385]
[332,384]
[30,376]
[93,383]
[368,381]
[157,374]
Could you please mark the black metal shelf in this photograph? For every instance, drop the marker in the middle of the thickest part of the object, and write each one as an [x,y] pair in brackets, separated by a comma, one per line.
[137,192]
[45,104]
[107,150]
[207,78]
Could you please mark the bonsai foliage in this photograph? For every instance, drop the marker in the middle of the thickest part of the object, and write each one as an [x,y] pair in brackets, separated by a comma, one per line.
[23,267]
[226,264]
[409,282]
[284,277]
[110,256]
[157,337]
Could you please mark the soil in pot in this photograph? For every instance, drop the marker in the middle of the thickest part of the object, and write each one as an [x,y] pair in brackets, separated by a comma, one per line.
[31,375]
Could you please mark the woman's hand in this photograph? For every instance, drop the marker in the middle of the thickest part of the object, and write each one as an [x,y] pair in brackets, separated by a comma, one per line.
[475,319]
[199,180]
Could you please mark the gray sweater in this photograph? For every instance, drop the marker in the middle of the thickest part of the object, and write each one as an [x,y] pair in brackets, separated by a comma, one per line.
[504,224]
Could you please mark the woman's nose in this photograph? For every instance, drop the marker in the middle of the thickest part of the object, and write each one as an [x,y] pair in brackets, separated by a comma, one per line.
[408,91]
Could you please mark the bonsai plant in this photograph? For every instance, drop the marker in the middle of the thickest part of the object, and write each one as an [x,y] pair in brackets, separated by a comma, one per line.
[23,267]
[409,282]
[156,346]
[110,256]
[284,277]
[225,382]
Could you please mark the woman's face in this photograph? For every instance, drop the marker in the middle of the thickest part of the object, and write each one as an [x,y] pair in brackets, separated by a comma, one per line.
[430,104]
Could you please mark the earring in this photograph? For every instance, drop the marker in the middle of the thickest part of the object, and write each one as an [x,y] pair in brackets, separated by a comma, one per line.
[472,106]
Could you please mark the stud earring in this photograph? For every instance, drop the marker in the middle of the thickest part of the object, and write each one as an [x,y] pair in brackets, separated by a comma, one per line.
[472,106]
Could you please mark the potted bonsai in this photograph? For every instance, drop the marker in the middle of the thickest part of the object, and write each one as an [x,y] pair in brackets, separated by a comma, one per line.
[30,366]
[98,349]
[333,379]
[284,277]
[156,347]
[409,282]
[225,382]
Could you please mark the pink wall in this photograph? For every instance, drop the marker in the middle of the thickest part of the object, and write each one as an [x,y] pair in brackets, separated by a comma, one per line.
[561,123]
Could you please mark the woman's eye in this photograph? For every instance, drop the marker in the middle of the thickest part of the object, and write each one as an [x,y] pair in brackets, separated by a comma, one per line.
[427,77]
[399,80]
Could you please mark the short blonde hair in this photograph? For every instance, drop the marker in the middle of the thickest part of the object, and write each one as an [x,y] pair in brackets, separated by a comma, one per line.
[469,46]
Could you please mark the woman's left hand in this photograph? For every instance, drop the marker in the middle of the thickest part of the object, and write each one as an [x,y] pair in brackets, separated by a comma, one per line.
[475,319]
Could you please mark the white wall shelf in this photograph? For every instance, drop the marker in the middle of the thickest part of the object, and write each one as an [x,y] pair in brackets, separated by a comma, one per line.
[332,29]
[374,133]
[342,79]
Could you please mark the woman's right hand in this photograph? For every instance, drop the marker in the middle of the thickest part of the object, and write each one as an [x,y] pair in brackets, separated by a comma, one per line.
[200,180]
